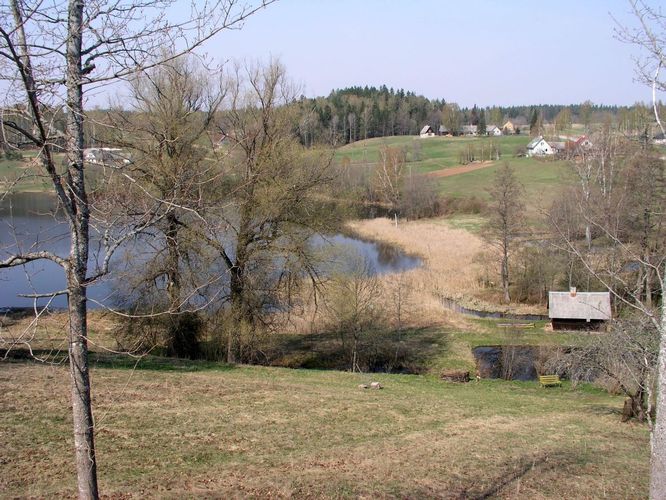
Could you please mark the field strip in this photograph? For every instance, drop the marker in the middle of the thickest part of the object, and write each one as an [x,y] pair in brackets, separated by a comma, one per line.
[448,172]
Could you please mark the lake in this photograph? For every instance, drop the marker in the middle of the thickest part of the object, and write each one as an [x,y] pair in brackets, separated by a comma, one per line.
[27,222]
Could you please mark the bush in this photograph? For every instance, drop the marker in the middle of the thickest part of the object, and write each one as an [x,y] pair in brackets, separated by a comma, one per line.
[13,154]
[467,205]
[176,335]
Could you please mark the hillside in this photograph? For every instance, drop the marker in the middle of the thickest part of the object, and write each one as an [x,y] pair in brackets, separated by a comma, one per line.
[197,429]
[438,158]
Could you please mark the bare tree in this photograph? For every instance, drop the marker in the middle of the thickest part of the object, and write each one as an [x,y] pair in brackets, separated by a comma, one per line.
[650,36]
[390,173]
[624,359]
[506,219]
[50,53]
[352,302]
[167,135]
[272,203]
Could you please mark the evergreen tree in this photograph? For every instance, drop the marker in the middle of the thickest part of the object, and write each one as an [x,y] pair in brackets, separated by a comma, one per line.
[481,125]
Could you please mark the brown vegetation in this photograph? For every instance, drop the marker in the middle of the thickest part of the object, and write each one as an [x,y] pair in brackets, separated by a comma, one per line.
[452,266]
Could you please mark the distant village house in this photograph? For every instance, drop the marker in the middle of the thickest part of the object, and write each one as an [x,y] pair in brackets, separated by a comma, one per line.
[444,131]
[493,130]
[106,156]
[514,125]
[427,131]
[539,147]
[469,130]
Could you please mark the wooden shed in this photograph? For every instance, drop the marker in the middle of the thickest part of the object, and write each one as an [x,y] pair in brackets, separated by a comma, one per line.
[574,310]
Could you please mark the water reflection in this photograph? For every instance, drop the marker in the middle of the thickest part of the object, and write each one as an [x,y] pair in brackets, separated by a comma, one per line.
[30,221]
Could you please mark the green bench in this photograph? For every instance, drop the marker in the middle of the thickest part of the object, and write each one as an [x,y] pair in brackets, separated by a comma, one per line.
[550,380]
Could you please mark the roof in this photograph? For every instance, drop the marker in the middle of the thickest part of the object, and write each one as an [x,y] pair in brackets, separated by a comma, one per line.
[442,128]
[469,128]
[517,121]
[425,129]
[581,305]
[533,143]
[582,140]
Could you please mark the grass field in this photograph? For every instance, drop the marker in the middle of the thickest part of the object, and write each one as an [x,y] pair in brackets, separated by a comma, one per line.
[542,178]
[21,175]
[435,152]
[212,430]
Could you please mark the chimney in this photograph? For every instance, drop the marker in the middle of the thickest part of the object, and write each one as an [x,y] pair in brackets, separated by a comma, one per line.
[572,291]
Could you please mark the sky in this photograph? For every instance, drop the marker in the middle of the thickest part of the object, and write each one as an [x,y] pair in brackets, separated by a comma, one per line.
[483,52]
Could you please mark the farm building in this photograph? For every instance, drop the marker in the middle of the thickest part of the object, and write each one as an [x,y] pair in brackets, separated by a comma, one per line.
[469,129]
[443,130]
[578,310]
[559,148]
[583,142]
[539,147]
[106,156]
[493,130]
[514,125]
[427,131]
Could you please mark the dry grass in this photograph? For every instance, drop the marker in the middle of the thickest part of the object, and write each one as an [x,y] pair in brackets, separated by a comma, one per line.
[454,261]
[265,432]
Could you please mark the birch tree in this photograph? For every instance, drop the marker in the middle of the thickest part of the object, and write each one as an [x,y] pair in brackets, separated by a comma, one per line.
[52,53]
[649,34]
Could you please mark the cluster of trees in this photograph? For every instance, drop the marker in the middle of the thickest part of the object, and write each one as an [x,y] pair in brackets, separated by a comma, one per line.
[610,220]
[607,232]
[356,113]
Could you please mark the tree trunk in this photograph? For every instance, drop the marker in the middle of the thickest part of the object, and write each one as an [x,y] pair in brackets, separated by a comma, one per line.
[173,262]
[505,277]
[240,313]
[658,442]
[84,443]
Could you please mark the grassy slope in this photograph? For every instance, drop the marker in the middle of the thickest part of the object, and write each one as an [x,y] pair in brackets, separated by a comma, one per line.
[21,175]
[436,152]
[542,179]
[262,432]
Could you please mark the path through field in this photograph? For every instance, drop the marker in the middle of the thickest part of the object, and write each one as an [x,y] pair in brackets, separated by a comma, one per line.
[448,172]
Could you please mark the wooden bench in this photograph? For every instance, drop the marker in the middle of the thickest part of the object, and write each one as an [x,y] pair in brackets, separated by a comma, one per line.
[550,380]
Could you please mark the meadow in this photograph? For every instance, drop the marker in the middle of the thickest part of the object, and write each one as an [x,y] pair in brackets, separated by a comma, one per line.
[432,153]
[203,429]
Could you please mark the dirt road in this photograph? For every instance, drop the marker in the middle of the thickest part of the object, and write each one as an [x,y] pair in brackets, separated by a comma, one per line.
[448,172]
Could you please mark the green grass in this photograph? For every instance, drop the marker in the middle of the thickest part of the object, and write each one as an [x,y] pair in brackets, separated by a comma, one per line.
[268,432]
[24,175]
[435,152]
[542,178]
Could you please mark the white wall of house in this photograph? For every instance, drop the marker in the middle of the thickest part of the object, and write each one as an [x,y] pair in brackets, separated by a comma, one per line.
[542,148]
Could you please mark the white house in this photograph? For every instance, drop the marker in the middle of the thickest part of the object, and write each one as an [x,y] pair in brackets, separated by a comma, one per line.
[106,156]
[539,147]
[427,131]
[493,130]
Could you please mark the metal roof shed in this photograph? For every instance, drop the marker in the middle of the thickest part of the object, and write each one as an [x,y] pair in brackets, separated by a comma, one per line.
[574,305]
